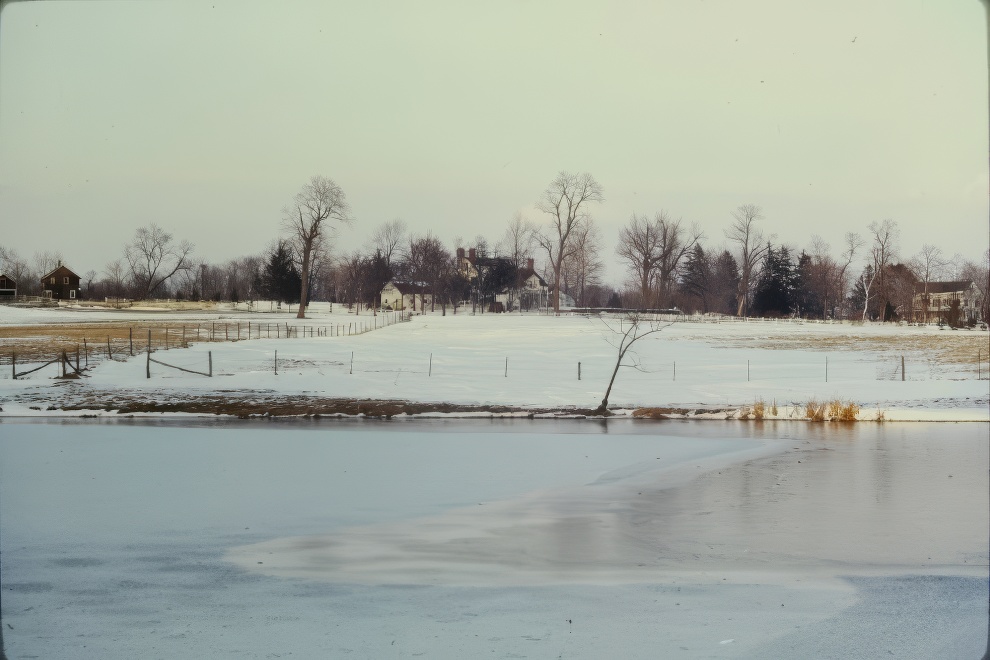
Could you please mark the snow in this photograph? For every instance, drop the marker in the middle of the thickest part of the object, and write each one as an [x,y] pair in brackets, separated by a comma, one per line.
[533,361]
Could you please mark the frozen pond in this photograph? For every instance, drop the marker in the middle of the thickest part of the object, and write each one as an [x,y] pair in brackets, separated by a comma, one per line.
[504,539]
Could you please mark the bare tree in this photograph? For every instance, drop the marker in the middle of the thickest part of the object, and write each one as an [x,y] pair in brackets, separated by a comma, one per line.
[583,267]
[153,258]
[926,265]
[388,239]
[639,247]
[622,334]
[675,243]
[882,252]
[115,273]
[517,245]
[752,247]
[565,200]
[979,273]
[310,221]
[46,261]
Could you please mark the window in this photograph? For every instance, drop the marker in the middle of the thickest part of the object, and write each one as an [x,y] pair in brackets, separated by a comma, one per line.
[53,280]
[72,292]
[65,280]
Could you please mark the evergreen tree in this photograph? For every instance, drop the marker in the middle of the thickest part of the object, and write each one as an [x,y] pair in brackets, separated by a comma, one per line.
[776,287]
[279,279]
[724,283]
[697,279]
[807,301]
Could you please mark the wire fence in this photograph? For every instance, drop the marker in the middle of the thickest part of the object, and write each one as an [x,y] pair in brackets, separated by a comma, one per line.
[124,342]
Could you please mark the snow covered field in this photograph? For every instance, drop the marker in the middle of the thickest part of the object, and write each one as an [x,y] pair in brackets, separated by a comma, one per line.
[492,538]
[534,361]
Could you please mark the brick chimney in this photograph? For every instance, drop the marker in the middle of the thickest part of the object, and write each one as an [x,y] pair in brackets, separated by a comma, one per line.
[472,255]
[460,253]
[529,264]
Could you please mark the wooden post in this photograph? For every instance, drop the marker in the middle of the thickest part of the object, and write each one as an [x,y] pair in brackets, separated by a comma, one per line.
[209,355]
[430,372]
[276,363]
[352,362]
[675,370]
[747,371]
[579,371]
[86,352]
[166,337]
[77,357]
[130,339]
[226,332]
[109,352]
[184,344]
[64,360]
[148,364]
[506,367]
[13,364]
[902,367]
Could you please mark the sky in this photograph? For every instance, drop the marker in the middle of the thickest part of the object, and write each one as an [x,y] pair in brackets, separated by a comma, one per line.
[207,117]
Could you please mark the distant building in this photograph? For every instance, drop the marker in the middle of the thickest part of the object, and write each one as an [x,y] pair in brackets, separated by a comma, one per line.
[942,297]
[61,284]
[398,295]
[516,288]
[8,288]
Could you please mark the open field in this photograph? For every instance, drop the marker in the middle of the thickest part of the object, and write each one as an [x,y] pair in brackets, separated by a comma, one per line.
[339,363]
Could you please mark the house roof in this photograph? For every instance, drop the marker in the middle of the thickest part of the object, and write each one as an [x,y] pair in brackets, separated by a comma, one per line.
[957,286]
[8,278]
[60,267]
[526,273]
[406,288]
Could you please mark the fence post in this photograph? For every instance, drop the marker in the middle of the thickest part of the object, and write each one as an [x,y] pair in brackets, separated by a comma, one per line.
[109,352]
[166,337]
[675,370]
[747,371]
[148,364]
[184,336]
[902,367]
[13,364]
[86,352]
[276,363]
[352,362]
[77,357]
[430,372]
[579,371]
[506,367]
[130,339]
[826,368]
[209,354]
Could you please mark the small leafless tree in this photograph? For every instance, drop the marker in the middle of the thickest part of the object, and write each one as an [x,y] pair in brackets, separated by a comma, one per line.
[752,248]
[622,334]
[565,200]
[926,265]
[312,218]
[583,267]
[115,273]
[882,253]
[154,257]
[639,247]
[517,246]
[388,239]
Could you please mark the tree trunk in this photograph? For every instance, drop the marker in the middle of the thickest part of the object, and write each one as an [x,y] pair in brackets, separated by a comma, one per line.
[304,291]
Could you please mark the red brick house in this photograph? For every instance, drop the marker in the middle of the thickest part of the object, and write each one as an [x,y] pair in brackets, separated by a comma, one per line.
[8,288]
[61,284]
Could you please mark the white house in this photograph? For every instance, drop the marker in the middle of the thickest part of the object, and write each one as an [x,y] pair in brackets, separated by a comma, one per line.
[411,296]
[941,296]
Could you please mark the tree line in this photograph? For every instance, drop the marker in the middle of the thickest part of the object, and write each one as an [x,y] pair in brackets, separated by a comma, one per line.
[669,263]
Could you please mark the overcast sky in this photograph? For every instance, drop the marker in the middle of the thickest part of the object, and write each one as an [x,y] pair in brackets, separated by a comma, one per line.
[207,117]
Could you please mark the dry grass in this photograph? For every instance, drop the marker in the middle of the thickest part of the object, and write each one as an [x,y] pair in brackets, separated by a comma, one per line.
[37,343]
[814,411]
[960,347]
[759,409]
